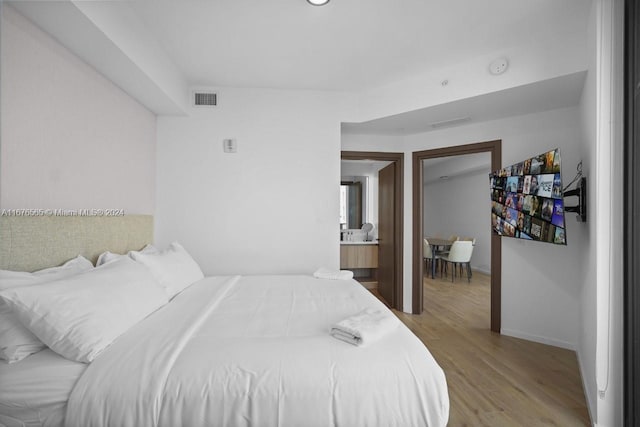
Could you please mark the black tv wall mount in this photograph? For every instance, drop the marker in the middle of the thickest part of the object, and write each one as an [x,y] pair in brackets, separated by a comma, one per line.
[581,192]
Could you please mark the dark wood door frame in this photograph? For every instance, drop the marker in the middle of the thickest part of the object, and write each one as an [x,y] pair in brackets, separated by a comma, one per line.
[631,215]
[398,159]
[493,147]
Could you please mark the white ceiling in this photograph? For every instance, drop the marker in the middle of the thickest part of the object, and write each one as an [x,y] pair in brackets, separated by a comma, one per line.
[166,47]
[436,169]
[359,167]
[560,92]
[347,45]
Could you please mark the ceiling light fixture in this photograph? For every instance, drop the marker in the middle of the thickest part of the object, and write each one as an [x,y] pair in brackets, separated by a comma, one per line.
[318,2]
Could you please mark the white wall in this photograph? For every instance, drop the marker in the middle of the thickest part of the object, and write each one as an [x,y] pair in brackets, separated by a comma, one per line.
[70,139]
[272,207]
[587,338]
[601,337]
[110,37]
[540,283]
[461,206]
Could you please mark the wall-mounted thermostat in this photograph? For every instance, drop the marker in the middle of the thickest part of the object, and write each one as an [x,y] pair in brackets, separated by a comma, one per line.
[230,145]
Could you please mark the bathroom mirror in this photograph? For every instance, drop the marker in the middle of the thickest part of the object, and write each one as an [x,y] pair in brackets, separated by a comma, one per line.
[351,204]
[359,203]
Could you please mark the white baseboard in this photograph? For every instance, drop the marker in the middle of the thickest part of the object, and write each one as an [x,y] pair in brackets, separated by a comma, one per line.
[538,339]
[481,269]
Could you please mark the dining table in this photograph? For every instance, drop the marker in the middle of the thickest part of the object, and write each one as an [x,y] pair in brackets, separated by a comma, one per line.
[437,244]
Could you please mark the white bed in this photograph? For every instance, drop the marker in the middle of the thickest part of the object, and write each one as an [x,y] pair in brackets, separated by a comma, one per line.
[34,392]
[240,351]
[237,351]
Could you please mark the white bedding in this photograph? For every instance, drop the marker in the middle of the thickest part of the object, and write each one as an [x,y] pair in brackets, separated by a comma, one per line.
[34,391]
[256,351]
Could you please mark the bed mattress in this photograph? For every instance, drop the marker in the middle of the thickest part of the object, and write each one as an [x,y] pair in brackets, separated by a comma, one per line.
[34,391]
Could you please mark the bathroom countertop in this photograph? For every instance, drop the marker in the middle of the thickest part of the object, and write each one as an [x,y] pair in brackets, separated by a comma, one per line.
[373,242]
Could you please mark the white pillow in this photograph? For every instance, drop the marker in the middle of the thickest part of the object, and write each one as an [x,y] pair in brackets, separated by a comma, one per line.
[16,341]
[106,257]
[173,268]
[80,316]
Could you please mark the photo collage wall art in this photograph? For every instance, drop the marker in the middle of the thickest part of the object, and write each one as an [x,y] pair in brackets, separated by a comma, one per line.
[526,200]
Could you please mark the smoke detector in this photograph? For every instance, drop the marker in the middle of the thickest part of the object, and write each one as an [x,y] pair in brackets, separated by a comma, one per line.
[498,66]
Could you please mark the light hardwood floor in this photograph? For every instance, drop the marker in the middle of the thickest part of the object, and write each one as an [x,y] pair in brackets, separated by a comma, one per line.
[495,380]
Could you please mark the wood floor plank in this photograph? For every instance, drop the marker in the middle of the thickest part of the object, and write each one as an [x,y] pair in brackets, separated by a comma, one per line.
[495,380]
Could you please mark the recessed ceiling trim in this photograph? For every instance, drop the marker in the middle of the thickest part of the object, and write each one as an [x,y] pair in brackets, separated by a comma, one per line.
[450,122]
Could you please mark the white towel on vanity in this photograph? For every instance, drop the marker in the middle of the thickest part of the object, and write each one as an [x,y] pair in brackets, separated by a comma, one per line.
[324,273]
[365,327]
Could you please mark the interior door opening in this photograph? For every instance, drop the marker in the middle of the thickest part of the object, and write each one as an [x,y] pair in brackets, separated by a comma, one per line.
[389,215]
[492,147]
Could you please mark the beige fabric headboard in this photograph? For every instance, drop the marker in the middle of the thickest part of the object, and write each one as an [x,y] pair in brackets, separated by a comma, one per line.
[33,243]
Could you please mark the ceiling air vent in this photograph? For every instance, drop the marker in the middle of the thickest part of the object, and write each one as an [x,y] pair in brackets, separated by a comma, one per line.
[205,99]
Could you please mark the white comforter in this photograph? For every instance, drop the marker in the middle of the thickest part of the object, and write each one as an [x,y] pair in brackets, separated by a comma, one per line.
[256,351]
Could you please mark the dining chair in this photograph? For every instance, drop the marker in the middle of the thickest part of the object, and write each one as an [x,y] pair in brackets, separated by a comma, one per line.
[445,251]
[473,243]
[460,254]
[427,254]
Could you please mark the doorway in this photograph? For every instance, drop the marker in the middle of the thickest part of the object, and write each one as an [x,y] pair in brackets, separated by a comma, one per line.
[495,149]
[390,239]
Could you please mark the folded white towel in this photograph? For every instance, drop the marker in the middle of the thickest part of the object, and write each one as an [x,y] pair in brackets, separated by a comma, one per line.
[324,273]
[365,327]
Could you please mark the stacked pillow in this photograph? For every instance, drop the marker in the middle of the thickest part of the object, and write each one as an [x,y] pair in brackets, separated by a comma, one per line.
[16,341]
[173,268]
[106,257]
[78,310]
